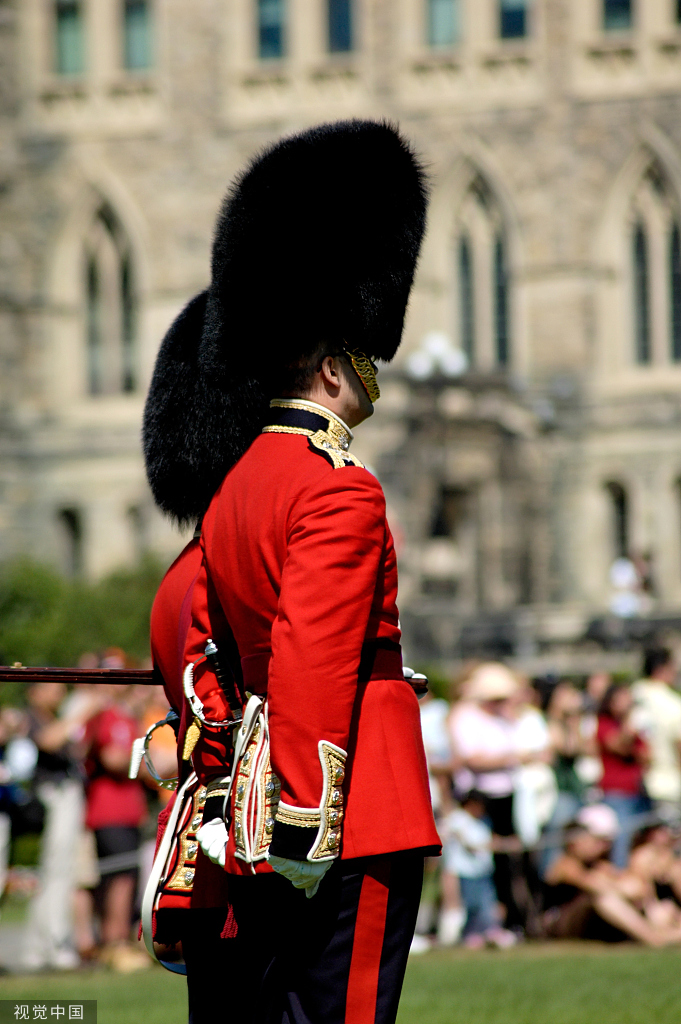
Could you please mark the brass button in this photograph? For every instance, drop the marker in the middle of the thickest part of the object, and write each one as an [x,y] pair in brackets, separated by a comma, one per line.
[333,816]
[196,822]
[192,849]
[188,876]
[332,840]
[336,797]
[339,774]
[269,826]
[270,787]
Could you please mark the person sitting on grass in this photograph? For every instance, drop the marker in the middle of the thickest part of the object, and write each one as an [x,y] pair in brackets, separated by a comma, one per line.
[655,860]
[468,854]
[589,898]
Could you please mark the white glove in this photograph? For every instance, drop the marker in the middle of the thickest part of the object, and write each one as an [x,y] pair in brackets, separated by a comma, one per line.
[212,839]
[301,873]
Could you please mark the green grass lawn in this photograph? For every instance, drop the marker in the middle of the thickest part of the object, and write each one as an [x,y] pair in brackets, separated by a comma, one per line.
[152,997]
[532,985]
[548,984]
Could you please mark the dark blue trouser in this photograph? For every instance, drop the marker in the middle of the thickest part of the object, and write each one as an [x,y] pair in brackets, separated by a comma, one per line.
[338,958]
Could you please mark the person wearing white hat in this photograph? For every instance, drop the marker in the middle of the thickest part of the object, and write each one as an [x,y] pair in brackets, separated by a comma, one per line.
[487,746]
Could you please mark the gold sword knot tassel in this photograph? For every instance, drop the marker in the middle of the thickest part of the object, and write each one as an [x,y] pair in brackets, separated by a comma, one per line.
[191,739]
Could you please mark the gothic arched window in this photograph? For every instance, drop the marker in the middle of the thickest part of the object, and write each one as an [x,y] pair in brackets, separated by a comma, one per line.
[501,302]
[641,295]
[655,226]
[466,299]
[110,307]
[482,285]
[675,291]
[619,519]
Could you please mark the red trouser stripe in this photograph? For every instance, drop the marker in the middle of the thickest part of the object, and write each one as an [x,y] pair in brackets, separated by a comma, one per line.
[367,945]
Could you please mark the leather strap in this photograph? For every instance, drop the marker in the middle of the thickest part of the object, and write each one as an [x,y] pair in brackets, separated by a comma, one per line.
[154,881]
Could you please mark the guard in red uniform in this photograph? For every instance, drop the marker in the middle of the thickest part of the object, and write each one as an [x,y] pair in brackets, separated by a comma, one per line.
[299,728]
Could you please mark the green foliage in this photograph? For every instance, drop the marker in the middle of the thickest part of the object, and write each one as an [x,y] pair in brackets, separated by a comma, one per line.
[48,620]
[26,850]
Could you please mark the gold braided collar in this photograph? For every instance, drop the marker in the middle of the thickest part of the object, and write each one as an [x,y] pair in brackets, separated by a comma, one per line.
[327,433]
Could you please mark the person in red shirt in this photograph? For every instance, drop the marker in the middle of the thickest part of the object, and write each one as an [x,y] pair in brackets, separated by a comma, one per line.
[624,755]
[115,809]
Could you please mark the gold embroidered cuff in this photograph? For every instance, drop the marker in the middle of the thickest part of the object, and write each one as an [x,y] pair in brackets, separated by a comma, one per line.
[218,787]
[327,845]
[303,817]
[182,878]
[328,817]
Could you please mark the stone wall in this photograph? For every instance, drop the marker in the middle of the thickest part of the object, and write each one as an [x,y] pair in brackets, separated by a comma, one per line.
[552,142]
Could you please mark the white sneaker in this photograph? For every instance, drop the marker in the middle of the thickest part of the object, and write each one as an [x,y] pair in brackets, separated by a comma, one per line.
[450,925]
[425,919]
[64,960]
[501,938]
[31,963]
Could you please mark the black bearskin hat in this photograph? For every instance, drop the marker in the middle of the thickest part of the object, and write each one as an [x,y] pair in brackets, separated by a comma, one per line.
[316,241]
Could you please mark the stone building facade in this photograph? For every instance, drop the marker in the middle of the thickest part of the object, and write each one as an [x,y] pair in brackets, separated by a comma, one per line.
[530,430]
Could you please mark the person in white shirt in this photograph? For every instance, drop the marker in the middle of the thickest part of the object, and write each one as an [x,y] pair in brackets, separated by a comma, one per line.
[657,712]
[488,748]
[436,743]
[468,843]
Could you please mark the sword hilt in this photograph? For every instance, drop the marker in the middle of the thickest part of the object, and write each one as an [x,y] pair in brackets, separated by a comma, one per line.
[227,685]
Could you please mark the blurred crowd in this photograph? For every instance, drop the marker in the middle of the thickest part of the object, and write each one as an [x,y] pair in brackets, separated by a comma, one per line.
[558,802]
[64,776]
[559,806]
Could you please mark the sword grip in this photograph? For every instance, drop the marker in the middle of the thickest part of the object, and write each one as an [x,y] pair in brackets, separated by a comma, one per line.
[228,687]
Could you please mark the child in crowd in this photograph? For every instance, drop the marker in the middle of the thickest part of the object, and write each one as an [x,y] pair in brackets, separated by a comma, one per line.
[468,855]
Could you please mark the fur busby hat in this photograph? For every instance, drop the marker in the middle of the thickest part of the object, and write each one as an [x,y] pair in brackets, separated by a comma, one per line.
[317,241]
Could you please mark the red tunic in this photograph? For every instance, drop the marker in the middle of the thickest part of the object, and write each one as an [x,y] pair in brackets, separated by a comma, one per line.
[300,560]
[170,620]
[170,623]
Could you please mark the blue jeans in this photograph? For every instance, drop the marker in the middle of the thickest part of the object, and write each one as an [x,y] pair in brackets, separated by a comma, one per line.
[567,807]
[627,807]
[479,897]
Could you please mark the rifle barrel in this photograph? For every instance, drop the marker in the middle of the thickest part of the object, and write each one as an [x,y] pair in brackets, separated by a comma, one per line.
[120,676]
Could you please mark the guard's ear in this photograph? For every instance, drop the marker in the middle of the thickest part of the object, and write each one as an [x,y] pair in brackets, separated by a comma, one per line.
[331,371]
